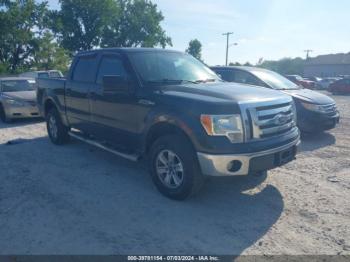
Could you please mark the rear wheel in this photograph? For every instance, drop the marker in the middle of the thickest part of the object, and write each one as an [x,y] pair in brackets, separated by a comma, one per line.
[3,116]
[174,167]
[58,133]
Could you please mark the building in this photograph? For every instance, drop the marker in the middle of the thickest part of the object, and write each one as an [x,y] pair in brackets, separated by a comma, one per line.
[328,65]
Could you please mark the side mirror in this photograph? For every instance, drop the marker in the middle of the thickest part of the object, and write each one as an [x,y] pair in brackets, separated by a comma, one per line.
[116,84]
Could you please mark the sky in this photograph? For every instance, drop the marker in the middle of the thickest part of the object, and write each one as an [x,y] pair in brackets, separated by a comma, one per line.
[268,29]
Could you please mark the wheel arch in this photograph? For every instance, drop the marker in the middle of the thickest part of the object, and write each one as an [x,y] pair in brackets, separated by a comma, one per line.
[48,105]
[165,128]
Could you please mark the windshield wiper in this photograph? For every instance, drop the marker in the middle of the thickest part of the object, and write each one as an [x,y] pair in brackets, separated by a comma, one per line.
[171,81]
[206,80]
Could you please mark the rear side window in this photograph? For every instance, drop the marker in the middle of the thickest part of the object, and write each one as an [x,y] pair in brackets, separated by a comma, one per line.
[111,65]
[85,70]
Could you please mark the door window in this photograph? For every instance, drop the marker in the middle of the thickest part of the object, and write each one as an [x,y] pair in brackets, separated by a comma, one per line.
[111,65]
[85,70]
[226,75]
[245,78]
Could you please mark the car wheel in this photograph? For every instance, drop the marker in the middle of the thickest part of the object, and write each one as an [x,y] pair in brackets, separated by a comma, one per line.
[174,167]
[3,116]
[58,133]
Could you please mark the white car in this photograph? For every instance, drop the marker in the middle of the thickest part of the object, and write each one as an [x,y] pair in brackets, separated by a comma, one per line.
[17,98]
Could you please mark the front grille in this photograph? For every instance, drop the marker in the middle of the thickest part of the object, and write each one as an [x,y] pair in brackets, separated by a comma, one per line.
[271,120]
[330,109]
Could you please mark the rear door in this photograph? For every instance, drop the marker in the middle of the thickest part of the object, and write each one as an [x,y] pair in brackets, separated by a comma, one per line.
[78,88]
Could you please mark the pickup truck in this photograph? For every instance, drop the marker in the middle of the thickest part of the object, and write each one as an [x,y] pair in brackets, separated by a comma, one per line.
[171,109]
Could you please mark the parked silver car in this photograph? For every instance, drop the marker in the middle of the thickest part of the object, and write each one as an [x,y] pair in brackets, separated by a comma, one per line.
[17,98]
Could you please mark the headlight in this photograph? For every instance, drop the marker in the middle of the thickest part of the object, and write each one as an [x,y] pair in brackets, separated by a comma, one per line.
[224,125]
[313,107]
[14,102]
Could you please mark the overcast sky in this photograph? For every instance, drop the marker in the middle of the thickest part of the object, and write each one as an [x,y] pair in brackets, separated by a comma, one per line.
[269,29]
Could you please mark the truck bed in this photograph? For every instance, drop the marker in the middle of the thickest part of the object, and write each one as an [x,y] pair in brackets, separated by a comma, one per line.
[47,86]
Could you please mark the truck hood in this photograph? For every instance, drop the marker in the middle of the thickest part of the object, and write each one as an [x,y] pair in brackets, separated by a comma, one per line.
[29,96]
[309,96]
[221,91]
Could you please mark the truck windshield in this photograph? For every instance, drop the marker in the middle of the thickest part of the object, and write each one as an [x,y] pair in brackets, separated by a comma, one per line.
[17,85]
[275,80]
[171,68]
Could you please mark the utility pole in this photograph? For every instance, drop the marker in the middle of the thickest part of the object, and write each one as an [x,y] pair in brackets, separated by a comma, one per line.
[308,51]
[227,44]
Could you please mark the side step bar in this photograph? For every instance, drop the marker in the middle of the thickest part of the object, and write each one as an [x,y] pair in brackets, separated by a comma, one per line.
[76,135]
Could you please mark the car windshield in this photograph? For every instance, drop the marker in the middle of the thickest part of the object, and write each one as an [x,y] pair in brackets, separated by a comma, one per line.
[171,68]
[275,80]
[17,85]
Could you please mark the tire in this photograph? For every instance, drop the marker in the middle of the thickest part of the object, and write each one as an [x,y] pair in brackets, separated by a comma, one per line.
[3,116]
[58,133]
[174,167]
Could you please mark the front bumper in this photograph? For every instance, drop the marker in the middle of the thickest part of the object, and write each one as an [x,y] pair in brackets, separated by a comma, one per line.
[243,164]
[315,122]
[24,111]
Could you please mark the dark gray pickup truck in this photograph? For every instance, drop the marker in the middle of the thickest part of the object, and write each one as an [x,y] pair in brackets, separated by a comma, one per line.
[170,108]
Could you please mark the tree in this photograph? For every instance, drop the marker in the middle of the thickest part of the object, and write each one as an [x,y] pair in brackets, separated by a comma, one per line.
[137,25]
[285,66]
[195,49]
[80,23]
[21,21]
[85,24]
[235,64]
[50,55]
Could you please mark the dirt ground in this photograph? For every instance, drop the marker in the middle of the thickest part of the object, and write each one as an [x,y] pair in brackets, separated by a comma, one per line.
[77,199]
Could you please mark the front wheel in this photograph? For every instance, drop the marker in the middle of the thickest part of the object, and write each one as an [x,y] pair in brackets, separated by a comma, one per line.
[174,167]
[58,133]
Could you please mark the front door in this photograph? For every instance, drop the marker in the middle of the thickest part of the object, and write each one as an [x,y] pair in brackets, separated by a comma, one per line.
[117,117]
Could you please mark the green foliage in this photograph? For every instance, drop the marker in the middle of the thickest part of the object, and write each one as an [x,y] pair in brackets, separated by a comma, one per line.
[286,66]
[50,55]
[85,24]
[80,23]
[136,23]
[195,49]
[20,23]
[234,64]
[33,37]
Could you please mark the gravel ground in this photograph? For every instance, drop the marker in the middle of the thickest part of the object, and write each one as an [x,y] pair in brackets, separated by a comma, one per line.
[76,199]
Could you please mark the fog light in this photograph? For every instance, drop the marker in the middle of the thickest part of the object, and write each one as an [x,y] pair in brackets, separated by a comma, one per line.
[234,166]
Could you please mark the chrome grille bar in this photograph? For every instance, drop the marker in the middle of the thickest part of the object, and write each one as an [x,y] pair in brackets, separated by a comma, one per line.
[274,111]
[268,119]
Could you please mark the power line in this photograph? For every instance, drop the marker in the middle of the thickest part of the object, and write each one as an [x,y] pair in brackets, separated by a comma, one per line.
[227,44]
[308,51]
